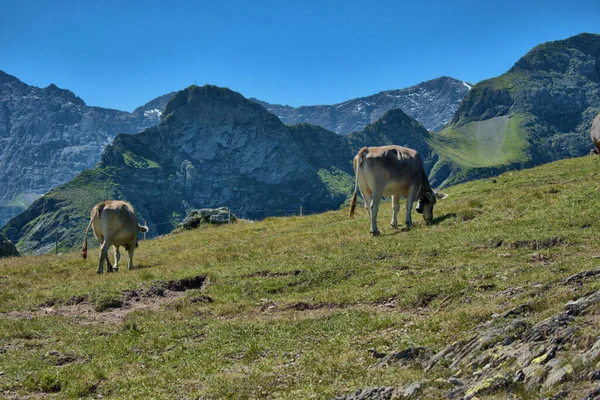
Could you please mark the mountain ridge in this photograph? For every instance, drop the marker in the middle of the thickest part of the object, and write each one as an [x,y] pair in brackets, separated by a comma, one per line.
[48,135]
[432,103]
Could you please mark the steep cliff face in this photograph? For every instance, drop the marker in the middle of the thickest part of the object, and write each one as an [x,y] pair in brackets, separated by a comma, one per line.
[539,111]
[432,103]
[49,135]
[216,148]
[212,148]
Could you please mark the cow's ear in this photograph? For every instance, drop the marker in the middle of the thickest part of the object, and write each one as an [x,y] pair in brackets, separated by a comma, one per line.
[440,196]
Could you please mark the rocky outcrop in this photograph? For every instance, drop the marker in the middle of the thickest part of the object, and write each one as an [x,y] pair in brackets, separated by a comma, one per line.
[432,103]
[508,354]
[49,135]
[206,216]
[7,248]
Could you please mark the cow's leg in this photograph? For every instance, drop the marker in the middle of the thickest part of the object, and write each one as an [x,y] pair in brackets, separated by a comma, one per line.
[117,258]
[130,250]
[104,256]
[410,199]
[366,195]
[395,209]
[374,210]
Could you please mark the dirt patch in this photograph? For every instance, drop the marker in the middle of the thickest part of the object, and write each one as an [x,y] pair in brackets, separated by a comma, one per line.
[269,274]
[538,244]
[305,306]
[181,285]
[82,311]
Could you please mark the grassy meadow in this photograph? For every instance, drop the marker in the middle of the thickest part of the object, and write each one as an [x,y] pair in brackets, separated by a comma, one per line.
[296,307]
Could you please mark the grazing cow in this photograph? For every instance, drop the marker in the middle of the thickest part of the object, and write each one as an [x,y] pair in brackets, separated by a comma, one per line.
[392,171]
[114,223]
[595,134]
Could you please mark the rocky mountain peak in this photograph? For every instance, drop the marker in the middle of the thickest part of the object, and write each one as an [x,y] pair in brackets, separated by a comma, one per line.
[212,105]
[53,91]
[576,55]
[432,103]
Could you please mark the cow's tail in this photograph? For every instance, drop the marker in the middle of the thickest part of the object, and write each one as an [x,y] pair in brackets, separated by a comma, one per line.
[87,230]
[143,228]
[358,162]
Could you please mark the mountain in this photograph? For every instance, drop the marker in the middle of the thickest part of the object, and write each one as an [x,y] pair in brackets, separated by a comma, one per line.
[538,111]
[432,103]
[49,135]
[212,148]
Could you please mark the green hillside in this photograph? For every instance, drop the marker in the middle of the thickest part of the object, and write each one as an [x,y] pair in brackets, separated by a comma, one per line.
[537,112]
[314,307]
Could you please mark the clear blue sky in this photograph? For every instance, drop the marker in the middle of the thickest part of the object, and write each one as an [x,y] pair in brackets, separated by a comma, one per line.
[121,54]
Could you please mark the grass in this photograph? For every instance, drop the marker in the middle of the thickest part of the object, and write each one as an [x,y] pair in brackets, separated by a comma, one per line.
[338,181]
[490,143]
[294,306]
[137,161]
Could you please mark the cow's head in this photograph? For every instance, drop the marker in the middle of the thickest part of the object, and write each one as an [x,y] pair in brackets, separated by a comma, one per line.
[425,204]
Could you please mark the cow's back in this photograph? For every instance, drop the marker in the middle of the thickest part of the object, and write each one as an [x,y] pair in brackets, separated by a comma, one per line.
[118,222]
[395,167]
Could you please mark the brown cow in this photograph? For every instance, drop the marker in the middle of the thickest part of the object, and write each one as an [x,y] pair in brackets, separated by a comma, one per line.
[392,171]
[595,134]
[114,223]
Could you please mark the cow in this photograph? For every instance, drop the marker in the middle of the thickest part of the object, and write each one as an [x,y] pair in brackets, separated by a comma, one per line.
[595,134]
[392,171]
[114,223]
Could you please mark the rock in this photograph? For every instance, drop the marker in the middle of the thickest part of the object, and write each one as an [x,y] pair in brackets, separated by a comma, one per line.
[557,374]
[375,393]
[593,395]
[589,356]
[487,386]
[411,391]
[582,304]
[518,310]
[55,357]
[412,354]
[455,381]
[203,216]
[577,278]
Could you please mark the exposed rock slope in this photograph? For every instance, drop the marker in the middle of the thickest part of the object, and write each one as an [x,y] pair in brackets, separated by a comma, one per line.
[432,103]
[49,135]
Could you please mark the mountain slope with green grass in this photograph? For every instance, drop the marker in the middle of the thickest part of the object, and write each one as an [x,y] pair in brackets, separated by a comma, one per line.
[314,307]
[538,111]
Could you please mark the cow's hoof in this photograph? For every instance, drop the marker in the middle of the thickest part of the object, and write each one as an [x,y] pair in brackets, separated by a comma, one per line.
[99,272]
[375,233]
[394,226]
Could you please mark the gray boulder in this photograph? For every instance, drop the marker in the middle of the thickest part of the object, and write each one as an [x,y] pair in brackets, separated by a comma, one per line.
[203,216]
